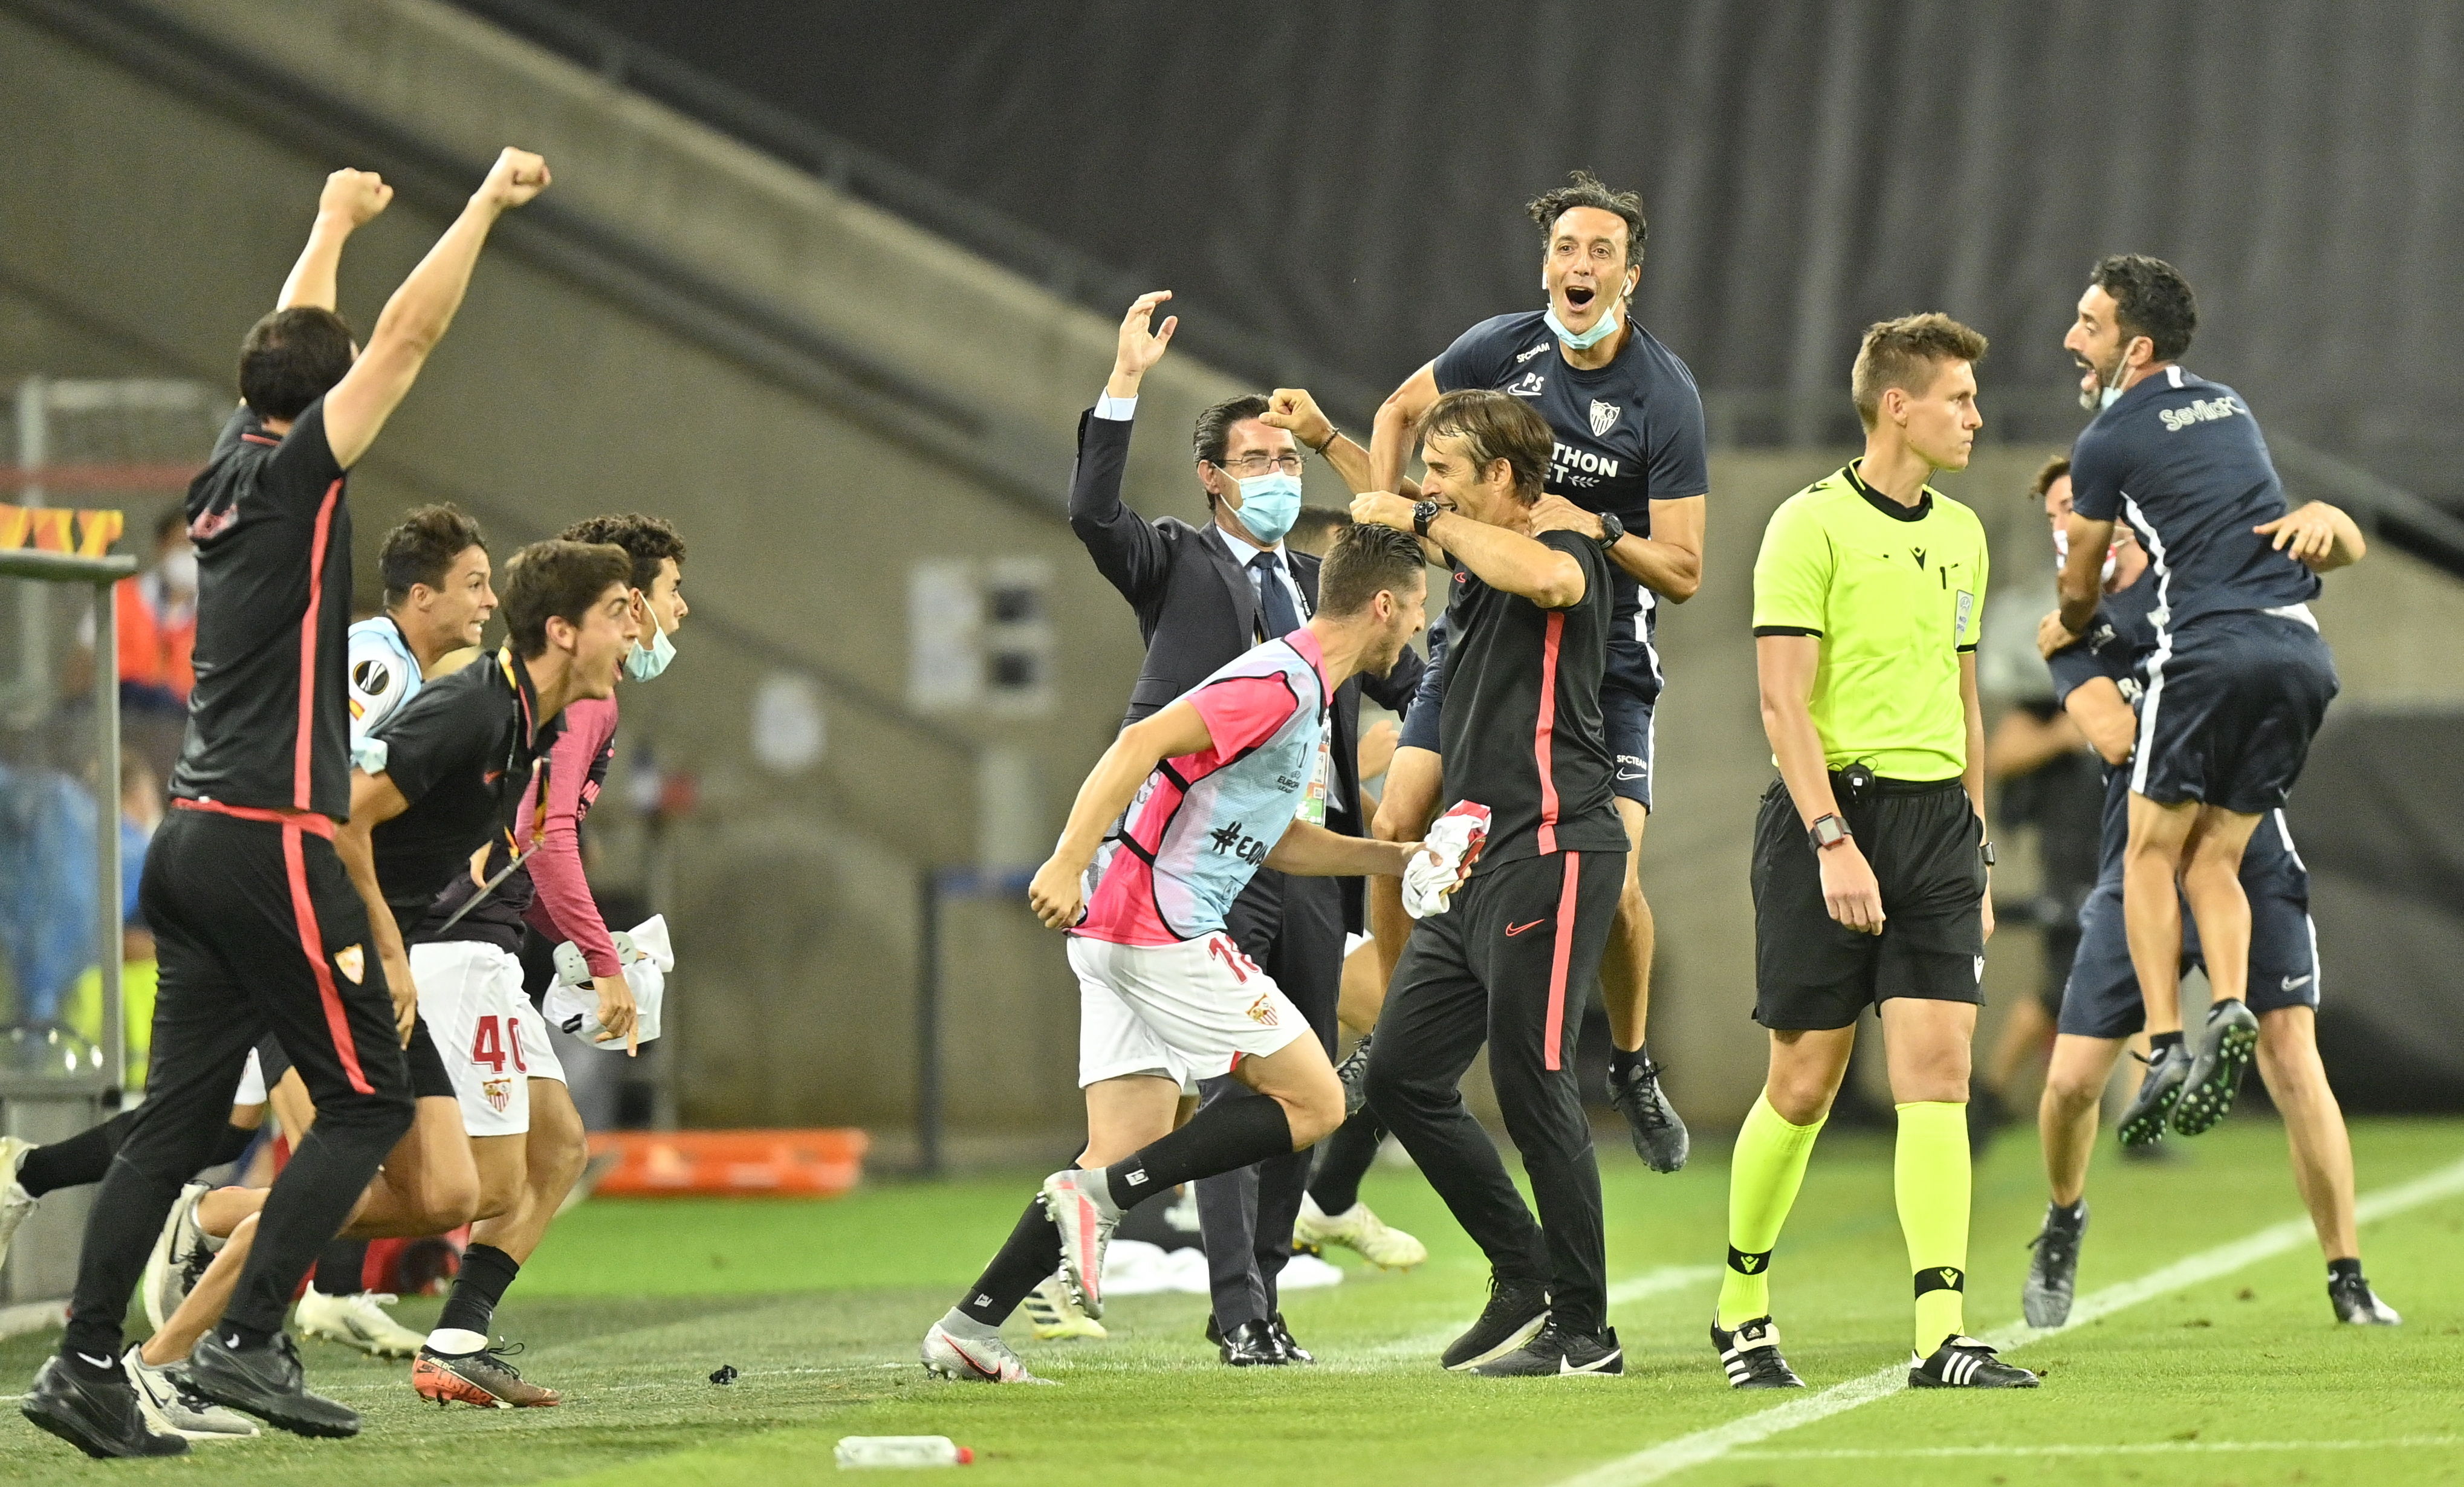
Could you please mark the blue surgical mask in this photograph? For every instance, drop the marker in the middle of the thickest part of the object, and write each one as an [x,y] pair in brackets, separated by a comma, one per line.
[645,662]
[1601,330]
[1269,505]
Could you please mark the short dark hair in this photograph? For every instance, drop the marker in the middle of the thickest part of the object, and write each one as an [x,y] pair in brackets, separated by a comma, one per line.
[1213,435]
[424,547]
[557,579]
[1582,188]
[1494,427]
[290,358]
[1366,560]
[1316,527]
[2055,469]
[646,539]
[2150,298]
[1898,353]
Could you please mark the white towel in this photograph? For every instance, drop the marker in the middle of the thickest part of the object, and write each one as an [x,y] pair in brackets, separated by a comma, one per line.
[646,956]
[1445,860]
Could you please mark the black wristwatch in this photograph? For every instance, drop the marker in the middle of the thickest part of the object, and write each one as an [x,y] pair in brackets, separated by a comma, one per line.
[1612,531]
[1422,515]
[1826,830]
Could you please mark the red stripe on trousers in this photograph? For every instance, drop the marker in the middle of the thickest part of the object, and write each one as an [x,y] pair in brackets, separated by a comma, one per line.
[300,754]
[1543,737]
[1559,958]
[308,822]
[303,912]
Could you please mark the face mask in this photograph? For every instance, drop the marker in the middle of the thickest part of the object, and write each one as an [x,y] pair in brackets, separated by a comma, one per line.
[1269,505]
[1602,330]
[2062,555]
[2108,383]
[643,663]
[179,570]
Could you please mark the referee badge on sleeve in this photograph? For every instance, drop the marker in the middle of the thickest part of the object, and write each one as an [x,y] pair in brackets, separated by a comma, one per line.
[1959,623]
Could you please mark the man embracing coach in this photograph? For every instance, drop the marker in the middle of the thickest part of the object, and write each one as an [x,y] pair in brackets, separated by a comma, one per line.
[1203,596]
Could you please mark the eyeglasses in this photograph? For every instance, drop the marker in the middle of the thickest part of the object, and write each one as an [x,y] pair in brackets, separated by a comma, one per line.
[1250,464]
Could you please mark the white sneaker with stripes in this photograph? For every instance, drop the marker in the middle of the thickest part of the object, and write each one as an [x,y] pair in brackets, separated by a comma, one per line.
[1965,1362]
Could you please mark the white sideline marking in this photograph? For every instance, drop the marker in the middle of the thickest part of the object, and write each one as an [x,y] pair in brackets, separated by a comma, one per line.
[2146,1447]
[1633,1288]
[1653,1463]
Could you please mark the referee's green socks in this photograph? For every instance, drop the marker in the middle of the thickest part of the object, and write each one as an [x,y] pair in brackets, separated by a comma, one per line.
[1762,1179]
[1930,1174]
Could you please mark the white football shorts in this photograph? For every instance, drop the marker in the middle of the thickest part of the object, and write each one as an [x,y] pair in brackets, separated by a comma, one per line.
[493,1041]
[1186,1012]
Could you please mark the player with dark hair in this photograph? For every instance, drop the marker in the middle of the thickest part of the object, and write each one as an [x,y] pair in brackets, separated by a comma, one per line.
[1528,767]
[550,894]
[2240,678]
[1871,862]
[453,773]
[1627,468]
[255,926]
[1210,789]
[2101,679]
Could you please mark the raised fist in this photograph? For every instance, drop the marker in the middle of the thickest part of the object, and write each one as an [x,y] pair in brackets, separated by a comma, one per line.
[518,176]
[357,196]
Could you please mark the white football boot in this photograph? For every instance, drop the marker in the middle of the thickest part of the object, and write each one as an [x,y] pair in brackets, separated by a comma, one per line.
[169,1271]
[1357,1229]
[16,1202]
[973,1360]
[1055,1314]
[358,1321]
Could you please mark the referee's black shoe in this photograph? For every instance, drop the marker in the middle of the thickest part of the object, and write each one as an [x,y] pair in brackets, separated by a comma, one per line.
[1515,1313]
[97,1414]
[266,1381]
[2226,1044]
[2142,1123]
[1558,1353]
[1965,1362]
[1752,1356]
[1354,1074]
[1251,1345]
[1293,1351]
[1660,1137]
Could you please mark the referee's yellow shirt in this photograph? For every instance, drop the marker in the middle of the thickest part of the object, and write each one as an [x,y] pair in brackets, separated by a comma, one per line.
[1895,593]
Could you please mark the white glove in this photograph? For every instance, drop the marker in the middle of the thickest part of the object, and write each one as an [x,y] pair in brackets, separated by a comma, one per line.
[646,956]
[1444,860]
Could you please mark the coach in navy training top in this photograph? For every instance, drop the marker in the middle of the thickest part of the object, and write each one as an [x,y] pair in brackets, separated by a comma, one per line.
[2239,679]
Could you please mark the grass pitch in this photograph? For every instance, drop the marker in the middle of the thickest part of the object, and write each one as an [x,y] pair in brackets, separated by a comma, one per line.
[2241,1377]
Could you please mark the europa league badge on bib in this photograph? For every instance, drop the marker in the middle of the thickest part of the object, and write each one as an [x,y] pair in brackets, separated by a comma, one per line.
[1959,622]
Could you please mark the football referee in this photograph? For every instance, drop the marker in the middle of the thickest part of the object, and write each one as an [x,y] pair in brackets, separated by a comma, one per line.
[1870,854]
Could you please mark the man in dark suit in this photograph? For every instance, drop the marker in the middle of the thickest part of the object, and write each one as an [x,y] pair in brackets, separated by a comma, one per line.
[1205,595]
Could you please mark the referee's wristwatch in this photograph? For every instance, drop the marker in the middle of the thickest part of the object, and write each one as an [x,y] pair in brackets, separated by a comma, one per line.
[1828,828]
[1612,531]
[1422,515]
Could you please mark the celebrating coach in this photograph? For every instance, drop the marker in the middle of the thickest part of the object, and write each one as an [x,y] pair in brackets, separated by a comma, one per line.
[1203,596]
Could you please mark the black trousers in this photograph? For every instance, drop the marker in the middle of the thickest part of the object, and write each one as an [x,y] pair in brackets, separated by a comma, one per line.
[1511,964]
[258,931]
[1293,929]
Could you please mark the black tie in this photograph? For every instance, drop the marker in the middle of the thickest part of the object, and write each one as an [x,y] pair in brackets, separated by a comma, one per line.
[1274,597]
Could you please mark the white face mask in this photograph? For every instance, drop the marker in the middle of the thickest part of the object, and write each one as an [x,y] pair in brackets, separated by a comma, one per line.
[179,570]
[2062,555]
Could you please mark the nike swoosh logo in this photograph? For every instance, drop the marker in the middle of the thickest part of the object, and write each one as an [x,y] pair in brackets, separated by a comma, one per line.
[2296,982]
[100,1363]
[1518,929]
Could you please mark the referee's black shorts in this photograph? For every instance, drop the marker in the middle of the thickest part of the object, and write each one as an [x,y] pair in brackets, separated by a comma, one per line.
[1922,841]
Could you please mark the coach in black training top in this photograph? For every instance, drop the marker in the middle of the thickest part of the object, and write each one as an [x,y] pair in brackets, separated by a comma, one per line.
[1511,962]
[256,926]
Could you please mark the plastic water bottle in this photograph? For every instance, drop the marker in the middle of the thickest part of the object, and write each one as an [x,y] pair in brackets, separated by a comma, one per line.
[902,1450]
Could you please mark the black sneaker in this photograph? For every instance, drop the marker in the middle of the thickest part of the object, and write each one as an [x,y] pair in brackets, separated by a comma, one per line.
[1557,1353]
[1965,1362]
[1751,1355]
[2053,1273]
[99,1416]
[2357,1304]
[266,1382]
[2142,1123]
[1514,1315]
[2226,1047]
[1660,1137]
[1354,1073]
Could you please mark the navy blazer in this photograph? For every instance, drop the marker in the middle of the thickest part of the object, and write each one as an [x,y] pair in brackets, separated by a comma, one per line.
[1195,609]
